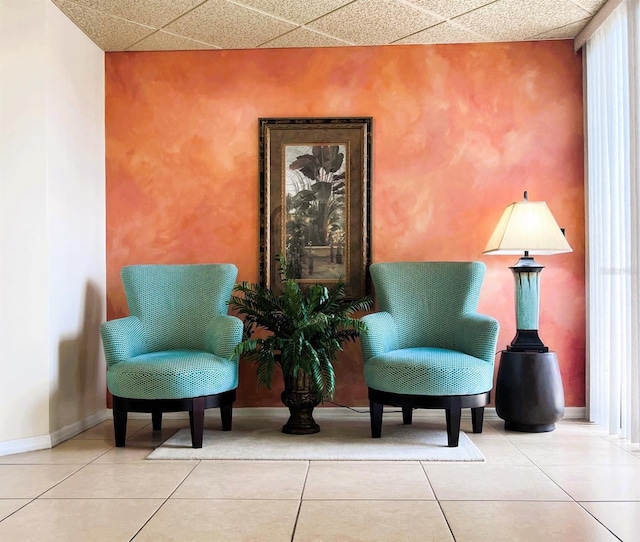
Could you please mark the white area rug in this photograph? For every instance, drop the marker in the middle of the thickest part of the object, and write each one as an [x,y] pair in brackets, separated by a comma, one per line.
[343,436]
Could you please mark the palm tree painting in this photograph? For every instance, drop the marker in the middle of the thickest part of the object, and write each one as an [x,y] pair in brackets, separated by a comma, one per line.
[316,203]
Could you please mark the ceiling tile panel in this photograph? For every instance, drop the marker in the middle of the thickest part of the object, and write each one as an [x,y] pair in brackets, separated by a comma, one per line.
[569,31]
[118,25]
[154,13]
[374,22]
[228,25]
[450,8]
[513,20]
[296,11]
[164,41]
[592,6]
[303,37]
[443,33]
[108,32]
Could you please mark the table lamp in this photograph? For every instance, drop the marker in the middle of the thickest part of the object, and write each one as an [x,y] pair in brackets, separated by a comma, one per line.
[529,392]
[527,227]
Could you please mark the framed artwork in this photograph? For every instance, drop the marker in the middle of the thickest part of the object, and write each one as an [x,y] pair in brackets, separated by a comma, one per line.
[315,201]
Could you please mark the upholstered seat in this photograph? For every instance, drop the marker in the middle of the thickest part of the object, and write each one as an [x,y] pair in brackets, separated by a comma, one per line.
[428,347]
[174,352]
[179,373]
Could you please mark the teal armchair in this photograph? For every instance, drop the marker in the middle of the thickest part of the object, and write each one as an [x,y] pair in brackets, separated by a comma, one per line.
[428,347]
[174,352]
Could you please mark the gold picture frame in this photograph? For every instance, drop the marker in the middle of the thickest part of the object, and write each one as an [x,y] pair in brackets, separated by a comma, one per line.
[315,201]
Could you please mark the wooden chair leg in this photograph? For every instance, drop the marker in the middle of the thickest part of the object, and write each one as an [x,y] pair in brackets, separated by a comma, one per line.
[407,415]
[226,414]
[156,420]
[196,421]
[375,413]
[477,416]
[119,426]
[453,424]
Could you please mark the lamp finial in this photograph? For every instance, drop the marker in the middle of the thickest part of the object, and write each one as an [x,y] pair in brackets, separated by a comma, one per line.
[526,196]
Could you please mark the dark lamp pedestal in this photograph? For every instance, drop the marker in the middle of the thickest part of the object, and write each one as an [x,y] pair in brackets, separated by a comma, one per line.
[529,392]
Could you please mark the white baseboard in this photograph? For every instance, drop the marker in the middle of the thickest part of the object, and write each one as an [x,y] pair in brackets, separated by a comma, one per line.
[44,442]
[74,429]
[21,445]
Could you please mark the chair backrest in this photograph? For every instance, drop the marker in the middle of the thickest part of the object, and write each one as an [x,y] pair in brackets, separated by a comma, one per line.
[426,299]
[175,303]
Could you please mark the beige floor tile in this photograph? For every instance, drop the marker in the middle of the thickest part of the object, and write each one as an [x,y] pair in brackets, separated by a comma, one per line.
[9,506]
[70,451]
[565,430]
[621,518]
[92,520]
[104,430]
[222,521]
[244,480]
[500,451]
[598,482]
[135,451]
[123,481]
[30,481]
[489,482]
[523,521]
[367,480]
[625,445]
[577,452]
[488,430]
[384,521]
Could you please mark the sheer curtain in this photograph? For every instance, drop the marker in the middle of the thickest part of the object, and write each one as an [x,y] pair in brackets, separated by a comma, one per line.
[613,211]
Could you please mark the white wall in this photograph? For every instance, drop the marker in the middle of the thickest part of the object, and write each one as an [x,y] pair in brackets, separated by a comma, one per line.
[24,333]
[52,226]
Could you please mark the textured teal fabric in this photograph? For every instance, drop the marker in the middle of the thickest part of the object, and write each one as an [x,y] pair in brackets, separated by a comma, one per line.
[428,371]
[428,338]
[172,374]
[381,335]
[178,341]
[175,303]
[123,339]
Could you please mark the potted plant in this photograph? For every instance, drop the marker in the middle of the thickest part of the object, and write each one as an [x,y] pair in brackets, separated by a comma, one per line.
[306,328]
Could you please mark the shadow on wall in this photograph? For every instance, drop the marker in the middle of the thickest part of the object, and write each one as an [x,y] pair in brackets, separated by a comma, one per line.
[81,376]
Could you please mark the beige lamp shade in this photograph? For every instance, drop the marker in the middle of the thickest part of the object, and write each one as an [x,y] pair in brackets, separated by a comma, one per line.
[527,226]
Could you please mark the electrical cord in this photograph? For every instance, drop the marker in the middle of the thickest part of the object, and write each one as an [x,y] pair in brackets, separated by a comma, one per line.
[359,411]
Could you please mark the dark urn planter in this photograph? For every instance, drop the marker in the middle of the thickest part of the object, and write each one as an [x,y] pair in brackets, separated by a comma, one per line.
[301,401]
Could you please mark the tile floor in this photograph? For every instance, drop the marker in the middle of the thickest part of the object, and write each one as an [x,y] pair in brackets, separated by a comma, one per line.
[573,484]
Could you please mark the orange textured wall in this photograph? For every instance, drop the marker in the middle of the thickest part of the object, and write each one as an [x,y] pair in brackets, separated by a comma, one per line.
[459,131]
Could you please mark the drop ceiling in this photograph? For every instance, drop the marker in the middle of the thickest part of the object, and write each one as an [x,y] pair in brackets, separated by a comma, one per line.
[157,25]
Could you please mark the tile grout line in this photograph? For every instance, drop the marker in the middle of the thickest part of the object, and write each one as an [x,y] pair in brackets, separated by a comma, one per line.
[446,519]
[164,502]
[600,522]
[540,469]
[304,485]
[18,509]
[84,466]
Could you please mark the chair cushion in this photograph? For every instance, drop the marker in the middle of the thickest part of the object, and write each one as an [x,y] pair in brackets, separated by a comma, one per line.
[172,374]
[428,371]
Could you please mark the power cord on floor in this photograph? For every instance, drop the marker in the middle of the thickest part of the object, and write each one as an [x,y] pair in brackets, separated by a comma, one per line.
[348,407]
[359,411]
